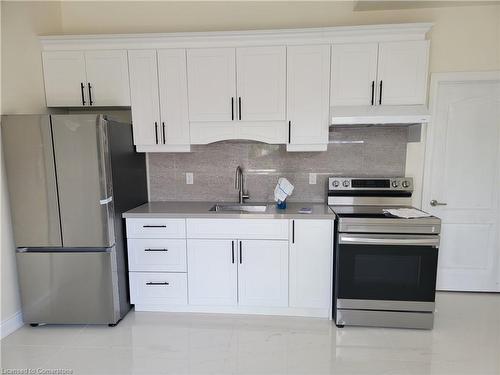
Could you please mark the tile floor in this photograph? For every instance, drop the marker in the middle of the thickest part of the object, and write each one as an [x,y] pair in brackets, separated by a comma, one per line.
[465,340]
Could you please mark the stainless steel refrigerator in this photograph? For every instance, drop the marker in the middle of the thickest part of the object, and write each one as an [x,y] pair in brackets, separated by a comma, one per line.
[70,177]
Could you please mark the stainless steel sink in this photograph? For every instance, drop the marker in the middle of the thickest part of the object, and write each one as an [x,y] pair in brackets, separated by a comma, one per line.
[238,207]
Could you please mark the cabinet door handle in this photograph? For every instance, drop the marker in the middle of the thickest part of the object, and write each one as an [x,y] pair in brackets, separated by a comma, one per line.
[155,283]
[154,226]
[232,252]
[239,107]
[293,231]
[83,94]
[241,253]
[373,92]
[289,131]
[156,132]
[232,108]
[163,131]
[155,249]
[380,94]
[90,94]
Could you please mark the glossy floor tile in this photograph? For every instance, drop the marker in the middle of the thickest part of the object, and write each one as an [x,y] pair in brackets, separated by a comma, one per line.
[465,340]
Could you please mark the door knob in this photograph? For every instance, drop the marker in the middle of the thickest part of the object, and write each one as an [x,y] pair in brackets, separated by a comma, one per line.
[435,203]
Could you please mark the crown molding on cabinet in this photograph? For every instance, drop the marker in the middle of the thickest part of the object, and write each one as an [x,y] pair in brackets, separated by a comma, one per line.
[324,35]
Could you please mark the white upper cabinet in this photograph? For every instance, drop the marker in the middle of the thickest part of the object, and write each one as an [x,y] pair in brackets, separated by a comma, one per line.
[308,73]
[402,72]
[90,78]
[354,73]
[311,252]
[65,78]
[107,78]
[173,96]
[261,83]
[211,84]
[144,97]
[387,73]
[263,273]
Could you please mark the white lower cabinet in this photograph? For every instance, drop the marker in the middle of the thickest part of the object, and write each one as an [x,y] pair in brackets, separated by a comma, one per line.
[158,288]
[311,252]
[212,272]
[263,273]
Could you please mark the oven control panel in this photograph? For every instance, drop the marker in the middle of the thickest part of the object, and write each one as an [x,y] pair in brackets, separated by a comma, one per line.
[374,184]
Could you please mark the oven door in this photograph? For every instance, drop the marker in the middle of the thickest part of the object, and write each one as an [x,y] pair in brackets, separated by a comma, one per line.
[386,272]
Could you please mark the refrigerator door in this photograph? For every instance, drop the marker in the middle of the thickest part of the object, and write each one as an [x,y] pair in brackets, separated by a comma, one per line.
[73,286]
[84,180]
[31,179]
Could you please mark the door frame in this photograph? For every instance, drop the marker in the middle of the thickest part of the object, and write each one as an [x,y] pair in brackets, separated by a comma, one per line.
[436,80]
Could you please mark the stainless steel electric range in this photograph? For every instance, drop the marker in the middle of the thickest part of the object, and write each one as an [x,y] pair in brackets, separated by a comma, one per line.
[384,266]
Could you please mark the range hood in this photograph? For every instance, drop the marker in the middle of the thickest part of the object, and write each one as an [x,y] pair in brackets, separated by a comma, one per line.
[385,114]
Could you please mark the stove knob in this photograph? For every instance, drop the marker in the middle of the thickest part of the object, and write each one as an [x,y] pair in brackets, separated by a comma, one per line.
[336,183]
[345,183]
[405,184]
[395,184]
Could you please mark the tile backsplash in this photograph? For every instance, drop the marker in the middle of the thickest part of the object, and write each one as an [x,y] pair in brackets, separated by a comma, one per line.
[362,151]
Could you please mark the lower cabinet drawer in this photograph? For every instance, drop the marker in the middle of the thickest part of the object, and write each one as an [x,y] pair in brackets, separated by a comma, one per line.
[158,288]
[157,255]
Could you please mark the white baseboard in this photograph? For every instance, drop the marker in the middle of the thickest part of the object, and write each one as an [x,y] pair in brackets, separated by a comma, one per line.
[11,324]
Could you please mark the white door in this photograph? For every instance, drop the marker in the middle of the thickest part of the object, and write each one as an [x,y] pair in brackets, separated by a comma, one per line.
[65,78]
[311,250]
[263,273]
[462,171]
[308,72]
[211,84]
[354,74]
[212,272]
[144,97]
[107,75]
[261,73]
[173,96]
[402,72]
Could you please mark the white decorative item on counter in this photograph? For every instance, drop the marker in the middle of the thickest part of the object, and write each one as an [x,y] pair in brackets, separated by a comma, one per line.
[283,190]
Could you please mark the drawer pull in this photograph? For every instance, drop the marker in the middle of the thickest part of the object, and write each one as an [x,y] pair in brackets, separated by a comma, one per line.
[155,249]
[154,226]
[154,283]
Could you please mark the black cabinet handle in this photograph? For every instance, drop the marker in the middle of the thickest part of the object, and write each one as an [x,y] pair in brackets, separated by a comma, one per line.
[83,94]
[239,107]
[154,283]
[155,249]
[373,92]
[156,132]
[241,253]
[293,231]
[380,96]
[163,131]
[90,94]
[232,108]
[154,226]
[289,131]
[232,252]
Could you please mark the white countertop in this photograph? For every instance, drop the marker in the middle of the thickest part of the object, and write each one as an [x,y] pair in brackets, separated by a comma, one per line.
[201,210]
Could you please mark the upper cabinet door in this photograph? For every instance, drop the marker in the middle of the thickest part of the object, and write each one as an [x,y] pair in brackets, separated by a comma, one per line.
[261,81]
[402,72]
[308,73]
[107,75]
[65,78]
[144,97]
[354,74]
[173,96]
[211,84]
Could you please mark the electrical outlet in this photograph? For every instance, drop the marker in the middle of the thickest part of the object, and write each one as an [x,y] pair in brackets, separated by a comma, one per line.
[312,178]
[189,178]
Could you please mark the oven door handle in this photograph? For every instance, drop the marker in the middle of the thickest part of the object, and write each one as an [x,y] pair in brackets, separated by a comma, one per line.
[385,240]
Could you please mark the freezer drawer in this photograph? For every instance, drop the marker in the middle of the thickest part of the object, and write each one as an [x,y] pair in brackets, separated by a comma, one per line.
[68,285]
